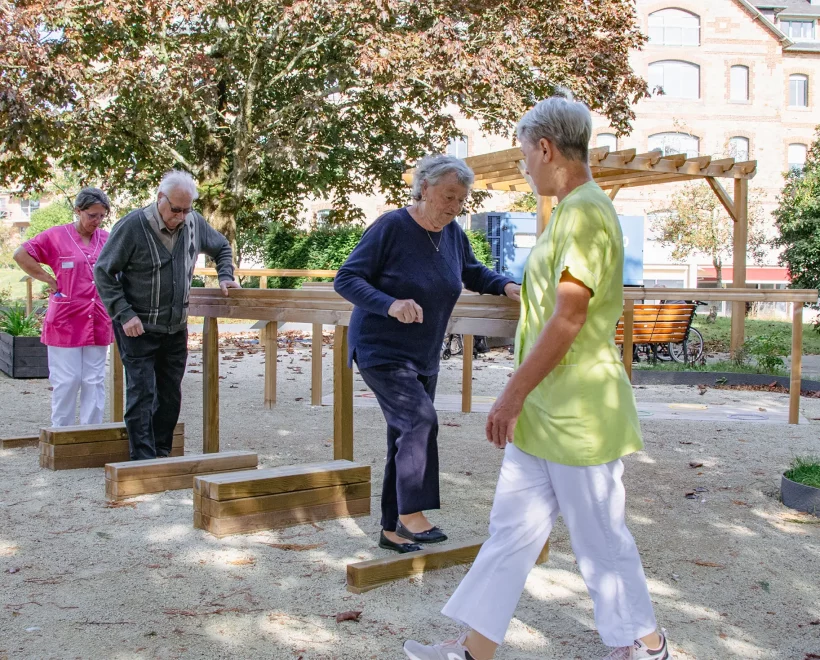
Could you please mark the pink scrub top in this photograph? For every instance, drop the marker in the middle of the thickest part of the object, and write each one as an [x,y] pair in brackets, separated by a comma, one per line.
[78,317]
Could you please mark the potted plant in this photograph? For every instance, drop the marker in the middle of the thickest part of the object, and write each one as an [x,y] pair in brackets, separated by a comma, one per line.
[22,355]
[800,486]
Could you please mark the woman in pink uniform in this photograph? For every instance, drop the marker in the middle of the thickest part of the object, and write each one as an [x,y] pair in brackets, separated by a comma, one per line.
[76,329]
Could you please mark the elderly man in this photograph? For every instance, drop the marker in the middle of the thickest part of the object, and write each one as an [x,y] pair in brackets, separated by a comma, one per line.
[143,275]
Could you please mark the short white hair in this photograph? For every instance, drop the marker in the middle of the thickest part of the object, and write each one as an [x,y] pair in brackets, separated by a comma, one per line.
[434,168]
[561,120]
[175,180]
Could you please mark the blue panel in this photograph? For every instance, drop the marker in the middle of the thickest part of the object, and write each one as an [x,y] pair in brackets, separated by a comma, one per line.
[632,228]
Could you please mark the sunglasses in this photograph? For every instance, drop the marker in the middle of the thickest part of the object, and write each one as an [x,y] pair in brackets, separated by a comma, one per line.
[177,209]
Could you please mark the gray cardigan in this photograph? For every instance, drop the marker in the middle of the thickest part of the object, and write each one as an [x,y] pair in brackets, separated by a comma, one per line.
[137,276]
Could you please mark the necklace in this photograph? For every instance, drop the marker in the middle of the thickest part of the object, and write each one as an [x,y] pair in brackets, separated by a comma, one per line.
[441,238]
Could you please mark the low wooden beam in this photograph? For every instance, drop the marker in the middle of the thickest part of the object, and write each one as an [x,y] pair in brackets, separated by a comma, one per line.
[17,441]
[366,575]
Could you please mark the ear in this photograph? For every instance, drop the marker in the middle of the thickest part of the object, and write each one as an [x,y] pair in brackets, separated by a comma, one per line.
[424,186]
[547,150]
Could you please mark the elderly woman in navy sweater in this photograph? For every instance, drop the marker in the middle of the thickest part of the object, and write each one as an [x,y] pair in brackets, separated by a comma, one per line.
[404,279]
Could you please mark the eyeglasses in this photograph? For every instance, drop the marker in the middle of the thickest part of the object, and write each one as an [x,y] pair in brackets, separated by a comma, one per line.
[95,216]
[177,209]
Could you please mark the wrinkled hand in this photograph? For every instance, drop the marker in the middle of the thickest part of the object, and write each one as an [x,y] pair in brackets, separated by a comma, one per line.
[512,291]
[52,285]
[133,328]
[502,419]
[229,284]
[406,311]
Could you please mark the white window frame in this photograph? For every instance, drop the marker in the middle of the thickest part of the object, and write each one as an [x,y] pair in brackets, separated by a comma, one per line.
[793,164]
[675,143]
[607,140]
[786,26]
[794,93]
[26,207]
[668,75]
[459,147]
[739,87]
[741,154]
[674,27]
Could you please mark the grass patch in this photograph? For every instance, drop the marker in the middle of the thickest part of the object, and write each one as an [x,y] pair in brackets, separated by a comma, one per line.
[712,367]
[805,470]
[10,277]
[717,335]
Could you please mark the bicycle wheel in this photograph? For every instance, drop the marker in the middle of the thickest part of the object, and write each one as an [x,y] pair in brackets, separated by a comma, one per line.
[689,351]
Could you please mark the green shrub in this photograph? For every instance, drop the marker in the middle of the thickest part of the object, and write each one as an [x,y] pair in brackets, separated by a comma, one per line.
[805,470]
[57,213]
[481,247]
[17,323]
[767,349]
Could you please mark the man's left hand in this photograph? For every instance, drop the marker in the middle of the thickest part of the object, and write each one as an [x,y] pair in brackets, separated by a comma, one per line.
[512,291]
[502,419]
[229,284]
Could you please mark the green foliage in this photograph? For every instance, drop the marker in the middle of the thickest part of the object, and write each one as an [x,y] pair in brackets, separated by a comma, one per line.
[17,323]
[56,213]
[322,249]
[805,470]
[767,349]
[5,295]
[8,243]
[481,247]
[524,203]
[797,219]
[198,281]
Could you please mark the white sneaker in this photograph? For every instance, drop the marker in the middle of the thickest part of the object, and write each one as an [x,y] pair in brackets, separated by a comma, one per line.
[638,651]
[452,650]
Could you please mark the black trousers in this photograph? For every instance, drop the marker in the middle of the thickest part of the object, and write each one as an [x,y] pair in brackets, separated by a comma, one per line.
[154,366]
[411,480]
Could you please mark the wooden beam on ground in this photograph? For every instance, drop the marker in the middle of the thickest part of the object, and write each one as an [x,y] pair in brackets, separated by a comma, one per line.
[741,230]
[723,197]
[366,575]
[342,398]
[210,386]
[629,328]
[796,364]
[316,365]
[116,385]
[17,441]
[468,342]
[269,334]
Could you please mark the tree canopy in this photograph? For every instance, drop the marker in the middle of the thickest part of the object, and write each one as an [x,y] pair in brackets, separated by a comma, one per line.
[281,100]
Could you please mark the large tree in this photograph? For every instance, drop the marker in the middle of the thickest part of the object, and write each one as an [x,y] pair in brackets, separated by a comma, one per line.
[283,99]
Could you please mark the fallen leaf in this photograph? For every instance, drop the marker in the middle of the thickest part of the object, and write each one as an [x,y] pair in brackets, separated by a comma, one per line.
[244,561]
[723,635]
[707,564]
[695,464]
[120,505]
[348,616]
[297,547]
[739,502]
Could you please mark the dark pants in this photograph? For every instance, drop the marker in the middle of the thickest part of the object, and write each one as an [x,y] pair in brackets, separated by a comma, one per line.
[411,471]
[154,366]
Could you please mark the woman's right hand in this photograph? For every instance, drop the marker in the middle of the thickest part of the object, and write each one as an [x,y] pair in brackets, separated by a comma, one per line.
[52,285]
[406,311]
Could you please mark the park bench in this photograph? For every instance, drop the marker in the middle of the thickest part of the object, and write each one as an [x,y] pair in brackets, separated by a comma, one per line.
[661,327]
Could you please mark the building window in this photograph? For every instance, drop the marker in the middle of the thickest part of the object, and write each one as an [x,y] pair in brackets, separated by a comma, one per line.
[798,30]
[4,207]
[799,91]
[797,156]
[675,79]
[739,83]
[29,206]
[739,148]
[675,143]
[607,140]
[457,147]
[674,27]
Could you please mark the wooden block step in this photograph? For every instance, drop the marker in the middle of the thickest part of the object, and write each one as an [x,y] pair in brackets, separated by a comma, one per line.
[89,461]
[366,575]
[69,435]
[256,522]
[281,501]
[106,447]
[281,480]
[14,442]
[129,478]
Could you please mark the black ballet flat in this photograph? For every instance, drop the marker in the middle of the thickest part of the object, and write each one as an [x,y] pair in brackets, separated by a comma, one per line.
[432,535]
[401,548]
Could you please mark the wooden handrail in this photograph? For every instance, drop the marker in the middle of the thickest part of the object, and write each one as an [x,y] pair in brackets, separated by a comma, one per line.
[270,272]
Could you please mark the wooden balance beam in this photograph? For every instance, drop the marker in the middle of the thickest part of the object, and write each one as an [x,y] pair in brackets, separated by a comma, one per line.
[245,502]
[131,478]
[366,575]
[73,447]
[14,442]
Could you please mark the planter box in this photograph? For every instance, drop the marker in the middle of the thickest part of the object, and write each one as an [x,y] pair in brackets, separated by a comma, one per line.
[800,497]
[23,357]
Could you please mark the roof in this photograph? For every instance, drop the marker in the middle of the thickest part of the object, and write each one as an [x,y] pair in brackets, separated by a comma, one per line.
[790,7]
[625,168]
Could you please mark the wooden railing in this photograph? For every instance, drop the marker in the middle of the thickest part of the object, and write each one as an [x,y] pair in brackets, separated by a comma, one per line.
[473,314]
[264,273]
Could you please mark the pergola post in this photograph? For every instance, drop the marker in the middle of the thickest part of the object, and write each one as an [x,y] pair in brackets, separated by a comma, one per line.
[741,231]
[543,211]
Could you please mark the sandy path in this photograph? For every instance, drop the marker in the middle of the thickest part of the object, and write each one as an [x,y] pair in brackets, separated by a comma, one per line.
[732,574]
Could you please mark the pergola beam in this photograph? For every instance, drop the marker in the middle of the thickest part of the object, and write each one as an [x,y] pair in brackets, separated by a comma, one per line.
[723,196]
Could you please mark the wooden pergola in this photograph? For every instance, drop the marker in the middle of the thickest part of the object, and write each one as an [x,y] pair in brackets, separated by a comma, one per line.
[626,168]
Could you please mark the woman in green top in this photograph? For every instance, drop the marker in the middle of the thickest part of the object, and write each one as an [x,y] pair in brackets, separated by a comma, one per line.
[566,417]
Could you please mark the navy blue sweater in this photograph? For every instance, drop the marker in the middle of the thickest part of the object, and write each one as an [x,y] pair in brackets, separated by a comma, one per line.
[396,260]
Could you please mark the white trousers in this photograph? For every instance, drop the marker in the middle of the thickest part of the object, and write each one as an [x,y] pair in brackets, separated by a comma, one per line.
[72,370]
[531,492]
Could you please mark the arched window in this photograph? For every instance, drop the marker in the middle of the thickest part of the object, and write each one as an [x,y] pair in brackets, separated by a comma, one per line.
[457,147]
[799,91]
[675,79]
[607,140]
[674,27]
[739,148]
[675,143]
[739,83]
[797,156]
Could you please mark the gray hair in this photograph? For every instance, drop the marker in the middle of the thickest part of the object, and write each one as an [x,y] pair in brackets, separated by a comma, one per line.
[87,197]
[561,120]
[432,169]
[176,179]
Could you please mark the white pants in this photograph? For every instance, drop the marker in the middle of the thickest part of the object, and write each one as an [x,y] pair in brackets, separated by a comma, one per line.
[531,493]
[77,369]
